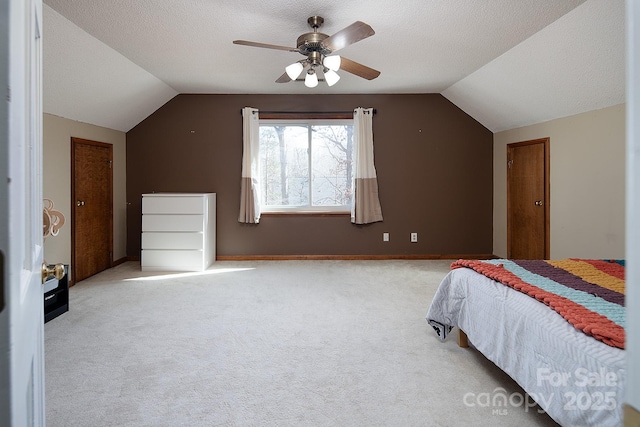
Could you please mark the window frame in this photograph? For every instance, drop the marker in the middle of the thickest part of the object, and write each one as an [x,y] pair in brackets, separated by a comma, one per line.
[306,209]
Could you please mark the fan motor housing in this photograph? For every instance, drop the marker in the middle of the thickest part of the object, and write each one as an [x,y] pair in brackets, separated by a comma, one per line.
[312,42]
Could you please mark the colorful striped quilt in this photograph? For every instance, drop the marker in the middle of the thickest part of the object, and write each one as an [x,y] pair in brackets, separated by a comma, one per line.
[589,294]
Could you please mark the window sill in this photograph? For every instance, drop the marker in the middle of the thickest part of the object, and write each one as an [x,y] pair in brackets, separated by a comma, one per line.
[306,213]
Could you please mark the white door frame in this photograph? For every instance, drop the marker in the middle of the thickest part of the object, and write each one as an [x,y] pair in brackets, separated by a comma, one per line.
[632,300]
[21,313]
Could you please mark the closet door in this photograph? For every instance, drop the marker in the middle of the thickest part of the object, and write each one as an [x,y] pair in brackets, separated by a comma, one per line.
[528,199]
[92,208]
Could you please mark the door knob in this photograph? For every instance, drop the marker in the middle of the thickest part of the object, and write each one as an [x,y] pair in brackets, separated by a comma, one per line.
[79,203]
[56,271]
[538,203]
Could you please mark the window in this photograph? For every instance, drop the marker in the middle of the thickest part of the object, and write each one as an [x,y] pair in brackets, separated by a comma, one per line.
[306,165]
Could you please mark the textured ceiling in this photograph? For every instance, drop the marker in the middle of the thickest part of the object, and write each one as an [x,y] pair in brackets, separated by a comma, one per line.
[574,65]
[131,57]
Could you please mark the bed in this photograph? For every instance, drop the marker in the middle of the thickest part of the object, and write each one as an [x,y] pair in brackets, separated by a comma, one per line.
[555,327]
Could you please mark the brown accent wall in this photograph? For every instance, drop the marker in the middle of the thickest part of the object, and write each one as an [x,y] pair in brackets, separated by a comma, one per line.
[434,166]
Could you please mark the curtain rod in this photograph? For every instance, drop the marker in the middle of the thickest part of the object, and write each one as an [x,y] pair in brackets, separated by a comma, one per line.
[305,112]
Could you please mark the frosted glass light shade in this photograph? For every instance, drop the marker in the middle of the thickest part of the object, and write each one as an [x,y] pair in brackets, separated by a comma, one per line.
[311,80]
[331,77]
[332,62]
[294,70]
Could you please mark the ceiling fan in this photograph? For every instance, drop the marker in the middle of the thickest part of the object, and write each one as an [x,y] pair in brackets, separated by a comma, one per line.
[317,48]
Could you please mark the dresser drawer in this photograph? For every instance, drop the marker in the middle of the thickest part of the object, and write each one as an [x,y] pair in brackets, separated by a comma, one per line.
[173,205]
[172,222]
[155,240]
[168,260]
[50,299]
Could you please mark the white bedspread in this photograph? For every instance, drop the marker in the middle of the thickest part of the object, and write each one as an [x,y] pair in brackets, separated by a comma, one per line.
[576,379]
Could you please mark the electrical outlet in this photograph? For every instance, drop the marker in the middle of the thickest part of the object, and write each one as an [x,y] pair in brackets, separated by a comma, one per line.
[385,237]
[414,237]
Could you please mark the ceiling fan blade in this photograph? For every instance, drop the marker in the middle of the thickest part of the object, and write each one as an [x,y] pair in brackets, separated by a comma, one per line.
[265,45]
[358,69]
[283,78]
[349,35]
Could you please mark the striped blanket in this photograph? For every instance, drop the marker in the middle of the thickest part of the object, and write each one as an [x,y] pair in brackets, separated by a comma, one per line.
[589,294]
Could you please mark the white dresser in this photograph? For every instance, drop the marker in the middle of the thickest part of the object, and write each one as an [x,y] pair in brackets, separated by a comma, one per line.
[178,231]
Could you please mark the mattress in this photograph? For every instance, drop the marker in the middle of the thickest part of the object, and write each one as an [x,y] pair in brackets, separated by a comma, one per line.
[576,379]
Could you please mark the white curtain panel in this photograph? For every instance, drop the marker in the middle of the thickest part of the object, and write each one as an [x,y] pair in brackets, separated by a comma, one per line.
[249,184]
[365,207]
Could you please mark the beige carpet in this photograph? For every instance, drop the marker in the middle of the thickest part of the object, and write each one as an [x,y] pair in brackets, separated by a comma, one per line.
[267,343]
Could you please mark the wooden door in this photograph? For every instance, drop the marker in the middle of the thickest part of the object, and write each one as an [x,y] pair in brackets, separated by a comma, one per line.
[528,199]
[21,211]
[92,207]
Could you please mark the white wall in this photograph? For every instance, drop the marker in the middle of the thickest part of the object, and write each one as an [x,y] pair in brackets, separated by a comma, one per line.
[587,179]
[57,135]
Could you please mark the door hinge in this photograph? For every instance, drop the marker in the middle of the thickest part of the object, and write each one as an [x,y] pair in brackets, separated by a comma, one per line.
[509,163]
[110,162]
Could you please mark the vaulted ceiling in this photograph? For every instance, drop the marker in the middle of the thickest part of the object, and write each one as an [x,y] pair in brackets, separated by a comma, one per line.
[507,63]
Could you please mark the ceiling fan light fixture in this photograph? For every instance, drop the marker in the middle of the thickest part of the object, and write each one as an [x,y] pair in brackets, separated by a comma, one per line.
[311,80]
[294,70]
[331,77]
[332,62]
[318,48]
